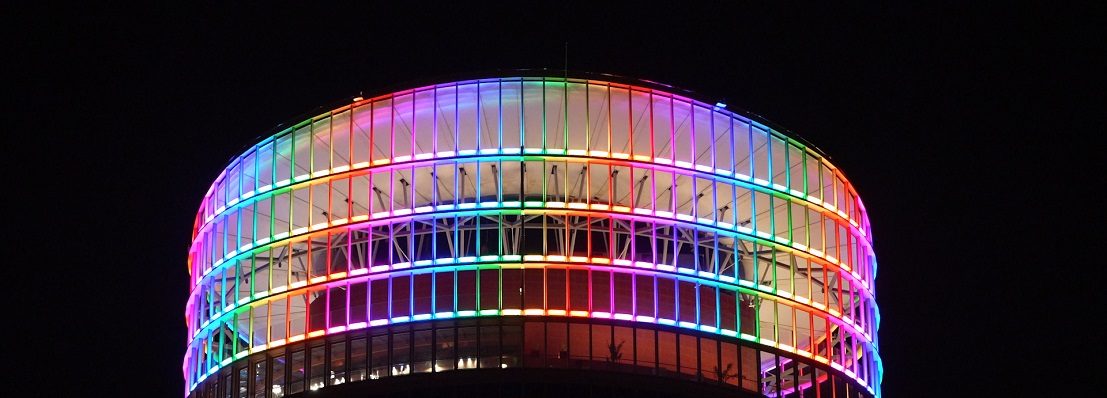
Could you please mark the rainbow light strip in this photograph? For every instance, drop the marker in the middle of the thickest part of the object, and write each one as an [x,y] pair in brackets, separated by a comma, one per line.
[307,164]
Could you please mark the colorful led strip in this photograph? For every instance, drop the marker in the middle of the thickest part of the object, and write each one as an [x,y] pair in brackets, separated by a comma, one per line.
[786,189]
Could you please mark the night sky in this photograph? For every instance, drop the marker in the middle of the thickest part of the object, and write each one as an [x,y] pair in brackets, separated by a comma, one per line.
[959,128]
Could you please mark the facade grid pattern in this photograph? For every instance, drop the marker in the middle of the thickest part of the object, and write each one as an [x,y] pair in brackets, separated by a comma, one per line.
[536,197]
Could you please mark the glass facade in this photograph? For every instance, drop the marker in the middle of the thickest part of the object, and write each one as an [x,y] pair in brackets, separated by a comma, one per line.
[540,201]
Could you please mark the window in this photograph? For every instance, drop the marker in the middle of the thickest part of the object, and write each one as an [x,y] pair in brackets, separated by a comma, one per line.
[533,295]
[624,346]
[535,340]
[623,292]
[401,353]
[689,356]
[301,156]
[422,288]
[258,371]
[644,291]
[422,347]
[467,346]
[444,291]
[444,349]
[401,296]
[340,138]
[709,361]
[279,388]
[489,289]
[489,348]
[243,382]
[601,291]
[358,359]
[338,364]
[297,370]
[466,290]
[667,351]
[321,146]
[579,340]
[557,345]
[555,289]
[645,351]
[378,360]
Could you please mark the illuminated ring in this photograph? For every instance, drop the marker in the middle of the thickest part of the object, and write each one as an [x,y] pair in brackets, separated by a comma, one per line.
[225,201]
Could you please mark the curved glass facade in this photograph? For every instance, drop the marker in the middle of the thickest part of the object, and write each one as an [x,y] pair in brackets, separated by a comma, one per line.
[532,201]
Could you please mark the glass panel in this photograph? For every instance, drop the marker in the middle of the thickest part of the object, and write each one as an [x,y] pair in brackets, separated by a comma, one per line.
[361,145]
[703,154]
[378,360]
[644,291]
[555,289]
[444,349]
[577,126]
[302,152]
[709,361]
[258,371]
[422,289]
[278,389]
[278,320]
[687,301]
[401,296]
[418,120]
[645,351]
[511,116]
[490,347]
[401,353]
[381,135]
[554,116]
[601,291]
[403,129]
[512,292]
[624,297]
[533,114]
[243,380]
[512,342]
[467,107]
[579,344]
[320,146]
[467,345]
[489,117]
[378,299]
[489,289]
[535,340]
[689,356]
[422,347]
[340,138]
[466,290]
[446,118]
[337,306]
[358,359]
[282,173]
[623,352]
[338,364]
[603,348]
[743,152]
[444,291]
[667,352]
[250,172]
[641,120]
[359,293]
[533,292]
[728,369]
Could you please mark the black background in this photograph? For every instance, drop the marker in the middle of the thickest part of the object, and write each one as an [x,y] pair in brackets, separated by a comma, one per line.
[963,130]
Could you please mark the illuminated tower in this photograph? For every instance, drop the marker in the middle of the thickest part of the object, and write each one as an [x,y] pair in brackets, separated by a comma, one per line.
[532,236]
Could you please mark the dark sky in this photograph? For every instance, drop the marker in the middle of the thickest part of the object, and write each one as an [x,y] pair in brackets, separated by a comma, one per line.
[959,127]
